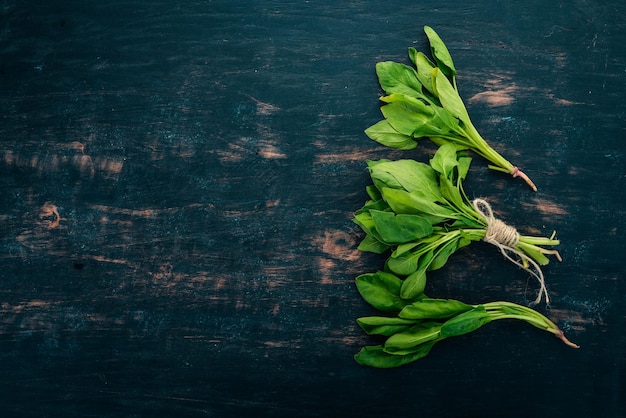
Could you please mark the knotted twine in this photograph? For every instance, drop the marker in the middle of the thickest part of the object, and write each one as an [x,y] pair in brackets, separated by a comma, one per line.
[506,238]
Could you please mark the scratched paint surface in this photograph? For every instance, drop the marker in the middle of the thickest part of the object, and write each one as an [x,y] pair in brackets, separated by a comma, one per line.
[178,182]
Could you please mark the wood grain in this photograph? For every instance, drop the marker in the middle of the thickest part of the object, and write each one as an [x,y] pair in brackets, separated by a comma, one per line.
[178,182]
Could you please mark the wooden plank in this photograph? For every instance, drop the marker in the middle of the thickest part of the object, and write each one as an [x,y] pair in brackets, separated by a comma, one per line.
[177,187]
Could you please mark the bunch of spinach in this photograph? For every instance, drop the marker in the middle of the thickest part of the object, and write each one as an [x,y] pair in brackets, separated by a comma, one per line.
[421,214]
[421,322]
[423,101]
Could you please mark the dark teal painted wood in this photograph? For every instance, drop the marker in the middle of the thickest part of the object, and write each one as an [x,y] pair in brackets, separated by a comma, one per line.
[177,186]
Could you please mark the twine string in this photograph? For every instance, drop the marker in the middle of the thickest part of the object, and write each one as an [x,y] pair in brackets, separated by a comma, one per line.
[506,238]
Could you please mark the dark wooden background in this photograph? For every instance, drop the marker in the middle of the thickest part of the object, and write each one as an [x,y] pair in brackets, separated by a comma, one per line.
[177,182]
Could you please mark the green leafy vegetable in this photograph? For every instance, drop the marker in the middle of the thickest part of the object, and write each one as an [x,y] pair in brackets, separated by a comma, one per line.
[376,356]
[382,291]
[434,309]
[423,101]
[400,228]
[420,325]
[381,325]
[421,215]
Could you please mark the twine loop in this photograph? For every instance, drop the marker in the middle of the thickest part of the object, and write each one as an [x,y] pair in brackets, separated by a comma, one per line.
[497,230]
[506,238]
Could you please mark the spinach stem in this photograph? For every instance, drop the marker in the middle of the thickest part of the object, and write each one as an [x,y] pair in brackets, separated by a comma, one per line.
[482,148]
[498,310]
